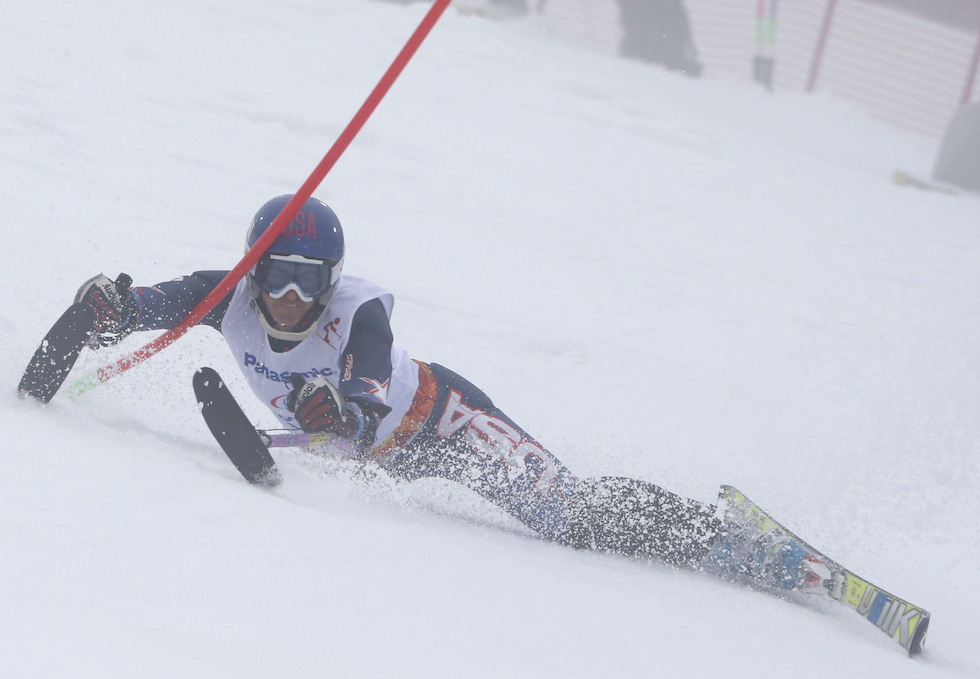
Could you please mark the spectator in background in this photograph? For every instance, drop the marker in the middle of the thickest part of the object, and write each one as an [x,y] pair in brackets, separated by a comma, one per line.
[658,31]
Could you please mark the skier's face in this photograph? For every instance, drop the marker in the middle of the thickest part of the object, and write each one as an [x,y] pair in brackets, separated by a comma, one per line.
[288,310]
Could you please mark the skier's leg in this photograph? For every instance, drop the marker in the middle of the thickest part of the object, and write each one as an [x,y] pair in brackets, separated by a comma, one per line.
[640,519]
[467,439]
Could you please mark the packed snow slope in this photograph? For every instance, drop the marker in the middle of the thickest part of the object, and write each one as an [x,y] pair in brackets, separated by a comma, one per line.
[693,282]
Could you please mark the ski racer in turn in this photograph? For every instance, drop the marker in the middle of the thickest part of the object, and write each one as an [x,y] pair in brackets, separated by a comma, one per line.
[316,347]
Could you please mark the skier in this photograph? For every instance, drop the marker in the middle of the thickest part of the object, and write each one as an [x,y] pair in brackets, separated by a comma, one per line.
[316,347]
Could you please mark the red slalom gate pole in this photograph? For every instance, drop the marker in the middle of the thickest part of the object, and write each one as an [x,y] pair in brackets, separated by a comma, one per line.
[229,282]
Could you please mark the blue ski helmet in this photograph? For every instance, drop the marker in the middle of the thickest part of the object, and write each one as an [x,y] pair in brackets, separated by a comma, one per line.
[307,258]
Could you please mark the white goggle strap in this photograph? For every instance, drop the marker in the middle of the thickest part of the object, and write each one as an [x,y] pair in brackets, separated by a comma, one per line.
[335,271]
[294,287]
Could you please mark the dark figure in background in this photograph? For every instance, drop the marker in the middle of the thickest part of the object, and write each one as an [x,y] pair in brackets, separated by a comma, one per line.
[658,31]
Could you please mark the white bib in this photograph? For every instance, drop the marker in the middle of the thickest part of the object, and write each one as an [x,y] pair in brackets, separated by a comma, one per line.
[267,371]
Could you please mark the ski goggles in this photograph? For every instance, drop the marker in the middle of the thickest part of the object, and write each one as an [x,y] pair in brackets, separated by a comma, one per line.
[308,278]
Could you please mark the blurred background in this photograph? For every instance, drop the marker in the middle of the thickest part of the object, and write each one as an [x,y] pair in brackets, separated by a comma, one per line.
[912,62]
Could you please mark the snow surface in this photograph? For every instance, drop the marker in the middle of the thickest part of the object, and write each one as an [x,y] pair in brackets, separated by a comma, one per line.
[690,282]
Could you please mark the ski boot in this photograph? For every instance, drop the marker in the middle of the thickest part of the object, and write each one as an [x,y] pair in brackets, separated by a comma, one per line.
[753,549]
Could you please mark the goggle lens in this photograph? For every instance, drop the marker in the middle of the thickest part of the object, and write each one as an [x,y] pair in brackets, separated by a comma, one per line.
[309,278]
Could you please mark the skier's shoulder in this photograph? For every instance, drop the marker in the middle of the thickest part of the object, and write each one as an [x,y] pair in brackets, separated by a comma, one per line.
[354,292]
[214,276]
[198,281]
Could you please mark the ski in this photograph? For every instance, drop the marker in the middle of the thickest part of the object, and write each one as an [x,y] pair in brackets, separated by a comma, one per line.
[233,431]
[903,622]
[57,353]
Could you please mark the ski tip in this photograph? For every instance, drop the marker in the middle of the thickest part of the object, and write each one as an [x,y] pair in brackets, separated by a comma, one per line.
[206,379]
[919,635]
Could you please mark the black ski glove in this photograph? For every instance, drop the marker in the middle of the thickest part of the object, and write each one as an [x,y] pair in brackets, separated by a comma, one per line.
[114,306]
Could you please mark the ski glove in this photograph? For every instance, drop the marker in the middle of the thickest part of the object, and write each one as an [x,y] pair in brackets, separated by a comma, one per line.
[319,407]
[114,306]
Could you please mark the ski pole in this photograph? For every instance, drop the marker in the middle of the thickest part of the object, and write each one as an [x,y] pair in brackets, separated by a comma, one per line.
[289,438]
[87,382]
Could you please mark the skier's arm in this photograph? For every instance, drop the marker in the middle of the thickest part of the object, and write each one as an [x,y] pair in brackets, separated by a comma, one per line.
[162,306]
[366,361]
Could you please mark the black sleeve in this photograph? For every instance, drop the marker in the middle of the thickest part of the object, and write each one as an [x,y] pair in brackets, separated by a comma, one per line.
[164,305]
[366,361]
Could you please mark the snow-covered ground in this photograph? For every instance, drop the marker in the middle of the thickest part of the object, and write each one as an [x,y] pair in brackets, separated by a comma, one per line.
[690,282]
